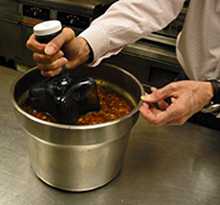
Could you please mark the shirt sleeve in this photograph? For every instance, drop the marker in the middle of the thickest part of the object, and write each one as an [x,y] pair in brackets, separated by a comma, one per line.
[125,22]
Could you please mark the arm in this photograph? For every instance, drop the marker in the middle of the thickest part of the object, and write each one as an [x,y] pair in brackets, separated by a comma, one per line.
[124,22]
[127,21]
[187,98]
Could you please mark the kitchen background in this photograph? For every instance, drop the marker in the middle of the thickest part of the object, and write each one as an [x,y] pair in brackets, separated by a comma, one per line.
[152,59]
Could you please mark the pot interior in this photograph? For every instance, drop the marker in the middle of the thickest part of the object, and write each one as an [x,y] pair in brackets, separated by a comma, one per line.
[107,75]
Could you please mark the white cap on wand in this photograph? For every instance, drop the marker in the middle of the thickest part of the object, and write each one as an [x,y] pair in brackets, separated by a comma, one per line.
[47,28]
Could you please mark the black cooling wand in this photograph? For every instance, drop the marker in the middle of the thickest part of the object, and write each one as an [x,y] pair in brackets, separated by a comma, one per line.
[67,95]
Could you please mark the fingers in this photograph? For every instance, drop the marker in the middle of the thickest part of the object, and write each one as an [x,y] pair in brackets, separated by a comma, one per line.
[51,73]
[174,114]
[50,65]
[54,65]
[53,46]
[186,98]
[45,59]
[163,105]
[151,114]
[49,57]
[56,44]
[160,94]
[164,112]
[35,46]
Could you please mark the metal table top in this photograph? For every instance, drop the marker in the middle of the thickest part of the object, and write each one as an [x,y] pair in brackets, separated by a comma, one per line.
[163,166]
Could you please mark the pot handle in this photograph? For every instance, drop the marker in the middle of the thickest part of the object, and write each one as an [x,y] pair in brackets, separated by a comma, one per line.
[149,89]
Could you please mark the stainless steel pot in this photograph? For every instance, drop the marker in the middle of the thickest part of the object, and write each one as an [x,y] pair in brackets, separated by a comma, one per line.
[78,158]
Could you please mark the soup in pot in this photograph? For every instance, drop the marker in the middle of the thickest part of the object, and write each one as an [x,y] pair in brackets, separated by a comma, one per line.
[113,105]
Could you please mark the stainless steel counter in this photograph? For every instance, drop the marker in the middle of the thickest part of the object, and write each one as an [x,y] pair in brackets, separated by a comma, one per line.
[163,166]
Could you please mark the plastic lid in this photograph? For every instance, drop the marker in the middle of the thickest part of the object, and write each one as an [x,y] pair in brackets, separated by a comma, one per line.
[47,27]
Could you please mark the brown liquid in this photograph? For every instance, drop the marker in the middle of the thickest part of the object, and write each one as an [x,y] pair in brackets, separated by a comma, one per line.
[113,106]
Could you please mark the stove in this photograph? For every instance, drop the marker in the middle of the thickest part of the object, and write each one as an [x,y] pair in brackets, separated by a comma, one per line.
[77,14]
[74,13]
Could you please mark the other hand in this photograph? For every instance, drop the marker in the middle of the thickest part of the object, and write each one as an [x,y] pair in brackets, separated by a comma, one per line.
[187,97]
[64,49]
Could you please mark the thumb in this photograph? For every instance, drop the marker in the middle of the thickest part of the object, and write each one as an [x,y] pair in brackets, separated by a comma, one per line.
[159,94]
[56,44]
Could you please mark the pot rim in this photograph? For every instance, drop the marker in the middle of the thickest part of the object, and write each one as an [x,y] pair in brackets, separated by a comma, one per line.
[77,127]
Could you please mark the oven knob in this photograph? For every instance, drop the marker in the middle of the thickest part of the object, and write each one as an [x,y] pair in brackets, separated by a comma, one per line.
[71,21]
[35,13]
[77,19]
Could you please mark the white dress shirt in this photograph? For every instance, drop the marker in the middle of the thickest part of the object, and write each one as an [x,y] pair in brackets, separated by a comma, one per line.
[126,21]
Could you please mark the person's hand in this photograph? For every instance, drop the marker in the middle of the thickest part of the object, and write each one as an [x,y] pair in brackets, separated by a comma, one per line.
[187,97]
[64,49]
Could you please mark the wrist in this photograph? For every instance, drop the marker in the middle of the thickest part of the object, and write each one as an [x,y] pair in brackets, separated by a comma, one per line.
[87,50]
[210,91]
[207,89]
[216,91]
[214,102]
